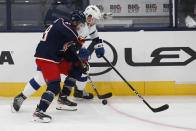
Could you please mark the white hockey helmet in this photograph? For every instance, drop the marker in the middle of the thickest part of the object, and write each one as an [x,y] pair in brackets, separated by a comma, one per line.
[94,11]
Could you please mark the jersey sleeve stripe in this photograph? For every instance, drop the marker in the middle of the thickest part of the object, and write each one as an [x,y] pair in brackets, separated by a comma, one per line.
[92,33]
[47,60]
[69,29]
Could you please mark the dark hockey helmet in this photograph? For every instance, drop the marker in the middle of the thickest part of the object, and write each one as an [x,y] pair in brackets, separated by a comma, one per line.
[78,16]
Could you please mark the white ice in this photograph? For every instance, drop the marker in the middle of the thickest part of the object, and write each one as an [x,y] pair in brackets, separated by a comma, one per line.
[120,114]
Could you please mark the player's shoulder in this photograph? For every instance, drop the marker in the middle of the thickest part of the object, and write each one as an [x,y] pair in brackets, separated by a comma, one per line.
[66,21]
[65,24]
[62,21]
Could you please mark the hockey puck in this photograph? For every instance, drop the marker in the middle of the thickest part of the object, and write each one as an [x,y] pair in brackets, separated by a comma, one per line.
[104,102]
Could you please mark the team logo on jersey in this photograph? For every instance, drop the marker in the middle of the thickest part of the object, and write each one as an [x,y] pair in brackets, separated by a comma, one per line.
[6,57]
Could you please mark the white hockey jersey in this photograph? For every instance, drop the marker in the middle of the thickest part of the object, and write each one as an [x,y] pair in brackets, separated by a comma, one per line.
[86,31]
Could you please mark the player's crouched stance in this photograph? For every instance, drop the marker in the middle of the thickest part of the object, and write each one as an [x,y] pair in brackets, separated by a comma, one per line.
[57,39]
[51,71]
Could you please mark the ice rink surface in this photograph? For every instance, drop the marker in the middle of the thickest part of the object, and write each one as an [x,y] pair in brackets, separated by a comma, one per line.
[120,114]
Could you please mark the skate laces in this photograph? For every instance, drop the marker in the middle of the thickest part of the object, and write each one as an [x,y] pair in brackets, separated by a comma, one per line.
[64,100]
[20,100]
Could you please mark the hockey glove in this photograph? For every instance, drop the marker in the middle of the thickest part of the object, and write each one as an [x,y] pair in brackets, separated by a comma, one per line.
[84,53]
[83,66]
[99,49]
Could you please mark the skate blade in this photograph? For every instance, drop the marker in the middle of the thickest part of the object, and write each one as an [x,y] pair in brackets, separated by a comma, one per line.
[66,108]
[78,99]
[44,120]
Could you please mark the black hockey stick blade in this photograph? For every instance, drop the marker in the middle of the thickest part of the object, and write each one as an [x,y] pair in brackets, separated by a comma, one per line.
[159,109]
[108,95]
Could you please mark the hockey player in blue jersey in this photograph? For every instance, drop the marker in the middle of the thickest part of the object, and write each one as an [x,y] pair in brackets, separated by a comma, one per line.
[59,40]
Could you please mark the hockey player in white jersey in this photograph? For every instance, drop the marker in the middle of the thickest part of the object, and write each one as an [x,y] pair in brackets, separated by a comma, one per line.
[92,15]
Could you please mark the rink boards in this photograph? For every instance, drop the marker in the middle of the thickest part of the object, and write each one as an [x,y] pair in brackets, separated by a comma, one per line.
[117,88]
[156,63]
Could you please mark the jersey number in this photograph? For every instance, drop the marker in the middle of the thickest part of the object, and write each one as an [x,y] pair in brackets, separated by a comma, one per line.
[45,35]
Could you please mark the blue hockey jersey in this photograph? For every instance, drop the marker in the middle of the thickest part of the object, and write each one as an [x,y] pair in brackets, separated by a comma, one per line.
[55,40]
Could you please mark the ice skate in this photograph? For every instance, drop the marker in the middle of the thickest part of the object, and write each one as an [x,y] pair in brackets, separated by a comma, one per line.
[82,94]
[63,103]
[39,116]
[17,103]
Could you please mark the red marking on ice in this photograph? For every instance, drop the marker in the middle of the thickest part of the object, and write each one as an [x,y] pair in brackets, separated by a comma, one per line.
[149,121]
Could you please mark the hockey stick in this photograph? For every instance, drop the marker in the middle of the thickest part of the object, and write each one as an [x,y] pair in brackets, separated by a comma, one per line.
[88,39]
[162,108]
[88,76]
[104,96]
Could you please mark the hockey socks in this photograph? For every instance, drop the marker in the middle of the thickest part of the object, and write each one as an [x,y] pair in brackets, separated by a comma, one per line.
[31,87]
